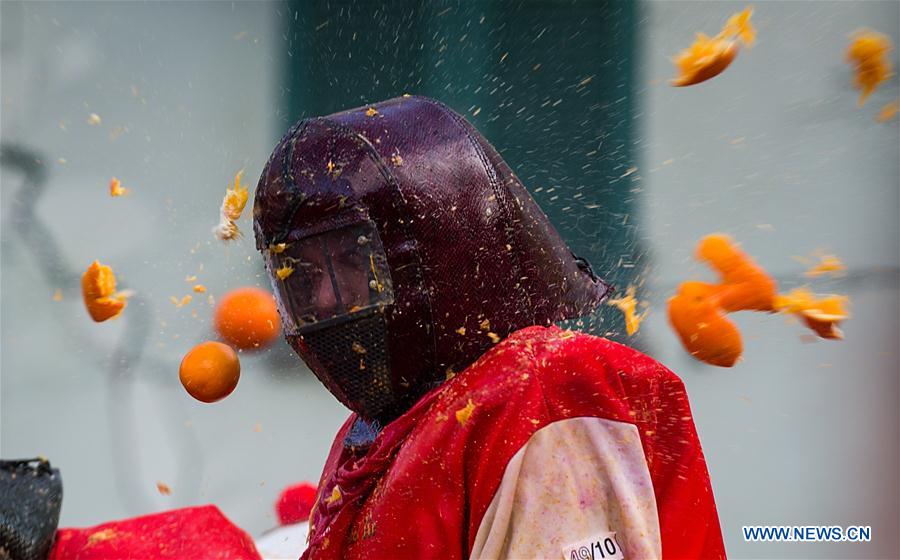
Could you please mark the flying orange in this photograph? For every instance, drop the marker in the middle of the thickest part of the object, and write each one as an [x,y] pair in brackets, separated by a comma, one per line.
[210,371]
[247,318]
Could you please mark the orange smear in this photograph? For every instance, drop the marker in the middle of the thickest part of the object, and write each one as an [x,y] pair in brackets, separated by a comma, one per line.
[828,264]
[335,495]
[98,289]
[889,111]
[708,57]
[868,54]
[463,414]
[628,306]
[822,314]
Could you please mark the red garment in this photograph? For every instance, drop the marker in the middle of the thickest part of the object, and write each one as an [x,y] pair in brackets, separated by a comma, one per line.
[295,503]
[422,488]
[194,533]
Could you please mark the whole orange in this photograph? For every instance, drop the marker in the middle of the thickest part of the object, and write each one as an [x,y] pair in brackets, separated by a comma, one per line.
[210,371]
[247,318]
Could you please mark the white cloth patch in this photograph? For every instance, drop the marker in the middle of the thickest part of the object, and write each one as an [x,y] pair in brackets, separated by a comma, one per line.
[602,546]
[283,543]
[574,478]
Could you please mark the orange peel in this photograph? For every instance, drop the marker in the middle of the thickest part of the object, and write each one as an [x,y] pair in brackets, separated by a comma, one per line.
[868,54]
[628,306]
[708,56]
[822,314]
[828,264]
[98,289]
[232,207]
[116,188]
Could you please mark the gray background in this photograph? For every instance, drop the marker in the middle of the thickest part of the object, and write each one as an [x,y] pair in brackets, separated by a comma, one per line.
[774,151]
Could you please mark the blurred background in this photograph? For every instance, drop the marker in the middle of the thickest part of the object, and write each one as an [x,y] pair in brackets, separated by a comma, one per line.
[575,96]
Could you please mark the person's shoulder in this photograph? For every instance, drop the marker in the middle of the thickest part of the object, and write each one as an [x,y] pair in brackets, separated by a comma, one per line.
[503,379]
[540,374]
[574,368]
[566,353]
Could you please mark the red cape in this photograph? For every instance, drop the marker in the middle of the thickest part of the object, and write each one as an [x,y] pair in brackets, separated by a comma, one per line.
[422,488]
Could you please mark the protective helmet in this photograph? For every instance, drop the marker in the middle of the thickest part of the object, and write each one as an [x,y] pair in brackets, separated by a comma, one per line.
[401,247]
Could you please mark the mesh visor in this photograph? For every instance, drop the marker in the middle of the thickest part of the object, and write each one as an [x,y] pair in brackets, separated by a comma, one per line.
[329,276]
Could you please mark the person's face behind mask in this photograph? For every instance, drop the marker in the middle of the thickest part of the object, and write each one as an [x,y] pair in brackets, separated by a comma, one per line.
[333,289]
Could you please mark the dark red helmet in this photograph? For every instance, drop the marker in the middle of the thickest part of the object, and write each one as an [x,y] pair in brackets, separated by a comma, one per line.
[401,247]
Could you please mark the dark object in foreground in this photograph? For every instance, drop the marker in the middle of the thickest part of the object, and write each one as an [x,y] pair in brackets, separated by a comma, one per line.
[30,500]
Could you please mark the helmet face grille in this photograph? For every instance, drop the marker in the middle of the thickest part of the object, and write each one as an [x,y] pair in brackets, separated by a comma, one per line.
[351,359]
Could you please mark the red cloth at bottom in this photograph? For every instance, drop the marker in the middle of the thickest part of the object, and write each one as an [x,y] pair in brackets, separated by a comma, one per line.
[194,533]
